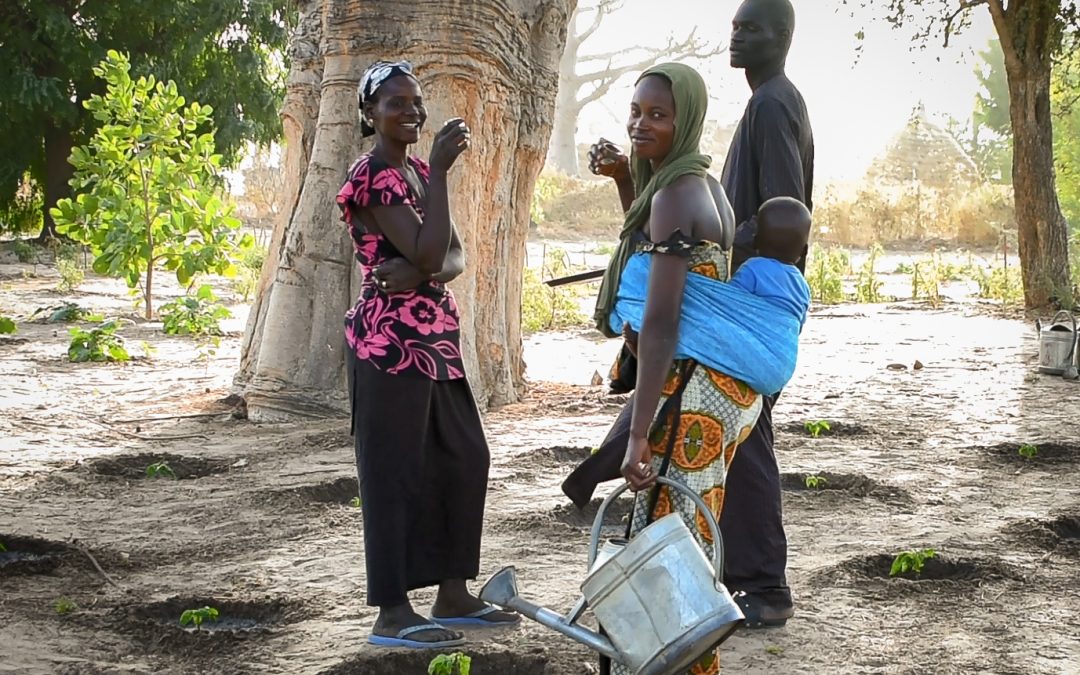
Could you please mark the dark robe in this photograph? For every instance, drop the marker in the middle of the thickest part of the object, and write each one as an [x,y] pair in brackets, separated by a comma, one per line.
[771,155]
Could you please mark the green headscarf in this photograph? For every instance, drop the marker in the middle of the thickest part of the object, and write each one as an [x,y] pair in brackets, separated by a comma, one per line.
[691,100]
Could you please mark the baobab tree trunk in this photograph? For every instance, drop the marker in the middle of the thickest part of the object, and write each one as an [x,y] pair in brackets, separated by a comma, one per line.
[1028,39]
[495,64]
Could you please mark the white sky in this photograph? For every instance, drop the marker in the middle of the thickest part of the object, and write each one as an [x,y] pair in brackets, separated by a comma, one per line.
[855,108]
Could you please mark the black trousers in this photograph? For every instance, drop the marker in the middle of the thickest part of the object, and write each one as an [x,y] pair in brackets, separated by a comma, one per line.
[422,462]
[755,545]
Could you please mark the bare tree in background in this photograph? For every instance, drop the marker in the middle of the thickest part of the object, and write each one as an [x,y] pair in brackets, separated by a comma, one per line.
[264,185]
[586,77]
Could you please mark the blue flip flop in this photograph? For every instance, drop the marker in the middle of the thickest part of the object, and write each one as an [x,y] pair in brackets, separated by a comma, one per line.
[400,639]
[476,619]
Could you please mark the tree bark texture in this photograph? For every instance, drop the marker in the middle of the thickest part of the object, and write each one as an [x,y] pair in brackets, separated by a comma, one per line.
[494,63]
[58,174]
[1030,32]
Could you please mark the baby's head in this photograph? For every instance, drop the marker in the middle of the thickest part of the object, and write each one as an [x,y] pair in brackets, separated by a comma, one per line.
[783,230]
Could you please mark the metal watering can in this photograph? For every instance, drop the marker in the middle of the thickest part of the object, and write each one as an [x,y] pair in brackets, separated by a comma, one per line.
[657,597]
[1057,346]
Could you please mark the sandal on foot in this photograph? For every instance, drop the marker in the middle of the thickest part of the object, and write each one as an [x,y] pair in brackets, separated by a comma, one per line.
[760,614]
[476,618]
[401,639]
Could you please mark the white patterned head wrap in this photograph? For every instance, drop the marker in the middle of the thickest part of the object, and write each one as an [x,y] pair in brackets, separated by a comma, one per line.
[373,78]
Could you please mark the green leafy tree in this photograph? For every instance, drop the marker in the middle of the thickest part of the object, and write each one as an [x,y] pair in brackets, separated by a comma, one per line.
[1066,103]
[1033,34]
[225,53]
[991,143]
[148,183]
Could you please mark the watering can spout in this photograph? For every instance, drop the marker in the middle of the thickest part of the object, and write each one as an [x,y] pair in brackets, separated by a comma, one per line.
[501,589]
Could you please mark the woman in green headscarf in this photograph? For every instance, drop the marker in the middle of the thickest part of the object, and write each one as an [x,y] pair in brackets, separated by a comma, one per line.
[687,419]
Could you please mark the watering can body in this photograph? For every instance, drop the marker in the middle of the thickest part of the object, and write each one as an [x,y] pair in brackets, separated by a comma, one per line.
[1057,345]
[658,598]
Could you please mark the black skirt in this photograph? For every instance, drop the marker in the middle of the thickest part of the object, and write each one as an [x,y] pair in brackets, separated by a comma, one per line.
[422,461]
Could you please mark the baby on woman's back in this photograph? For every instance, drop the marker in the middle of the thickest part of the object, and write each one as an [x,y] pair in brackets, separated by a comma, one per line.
[783,233]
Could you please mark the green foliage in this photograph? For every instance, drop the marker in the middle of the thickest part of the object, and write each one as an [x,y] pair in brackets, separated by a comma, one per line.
[450,664]
[226,53]
[196,617]
[1028,451]
[68,266]
[249,268]
[815,482]
[816,427]
[160,470]
[926,281]
[546,189]
[149,186]
[991,142]
[21,211]
[3,549]
[64,606]
[547,308]
[1066,83]
[825,271]
[355,502]
[7,325]
[867,285]
[911,561]
[71,274]
[24,251]
[69,312]
[1001,283]
[200,314]
[208,347]
[97,344]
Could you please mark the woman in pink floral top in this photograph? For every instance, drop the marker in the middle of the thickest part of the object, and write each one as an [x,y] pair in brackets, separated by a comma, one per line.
[421,454]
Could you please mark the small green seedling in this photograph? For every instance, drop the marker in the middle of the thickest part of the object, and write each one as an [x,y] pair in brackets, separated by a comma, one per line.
[355,502]
[815,428]
[3,549]
[450,664]
[1029,451]
[64,606]
[775,650]
[7,326]
[815,482]
[98,344]
[911,561]
[160,470]
[196,617]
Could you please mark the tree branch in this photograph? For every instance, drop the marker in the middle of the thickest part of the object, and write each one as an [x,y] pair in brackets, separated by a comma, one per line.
[1001,24]
[965,5]
[689,48]
[602,9]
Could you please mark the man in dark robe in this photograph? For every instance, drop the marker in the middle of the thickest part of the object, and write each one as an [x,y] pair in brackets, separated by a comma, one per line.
[771,155]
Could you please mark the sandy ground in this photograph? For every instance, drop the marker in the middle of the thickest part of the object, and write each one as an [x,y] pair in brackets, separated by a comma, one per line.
[258,523]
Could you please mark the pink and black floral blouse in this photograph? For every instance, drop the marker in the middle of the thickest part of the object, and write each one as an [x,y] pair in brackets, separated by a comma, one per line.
[414,331]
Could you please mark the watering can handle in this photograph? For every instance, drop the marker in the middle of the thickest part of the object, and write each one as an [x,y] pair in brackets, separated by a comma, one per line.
[710,520]
[1072,347]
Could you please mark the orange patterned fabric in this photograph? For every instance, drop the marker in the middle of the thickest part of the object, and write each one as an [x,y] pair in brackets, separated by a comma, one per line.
[716,414]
